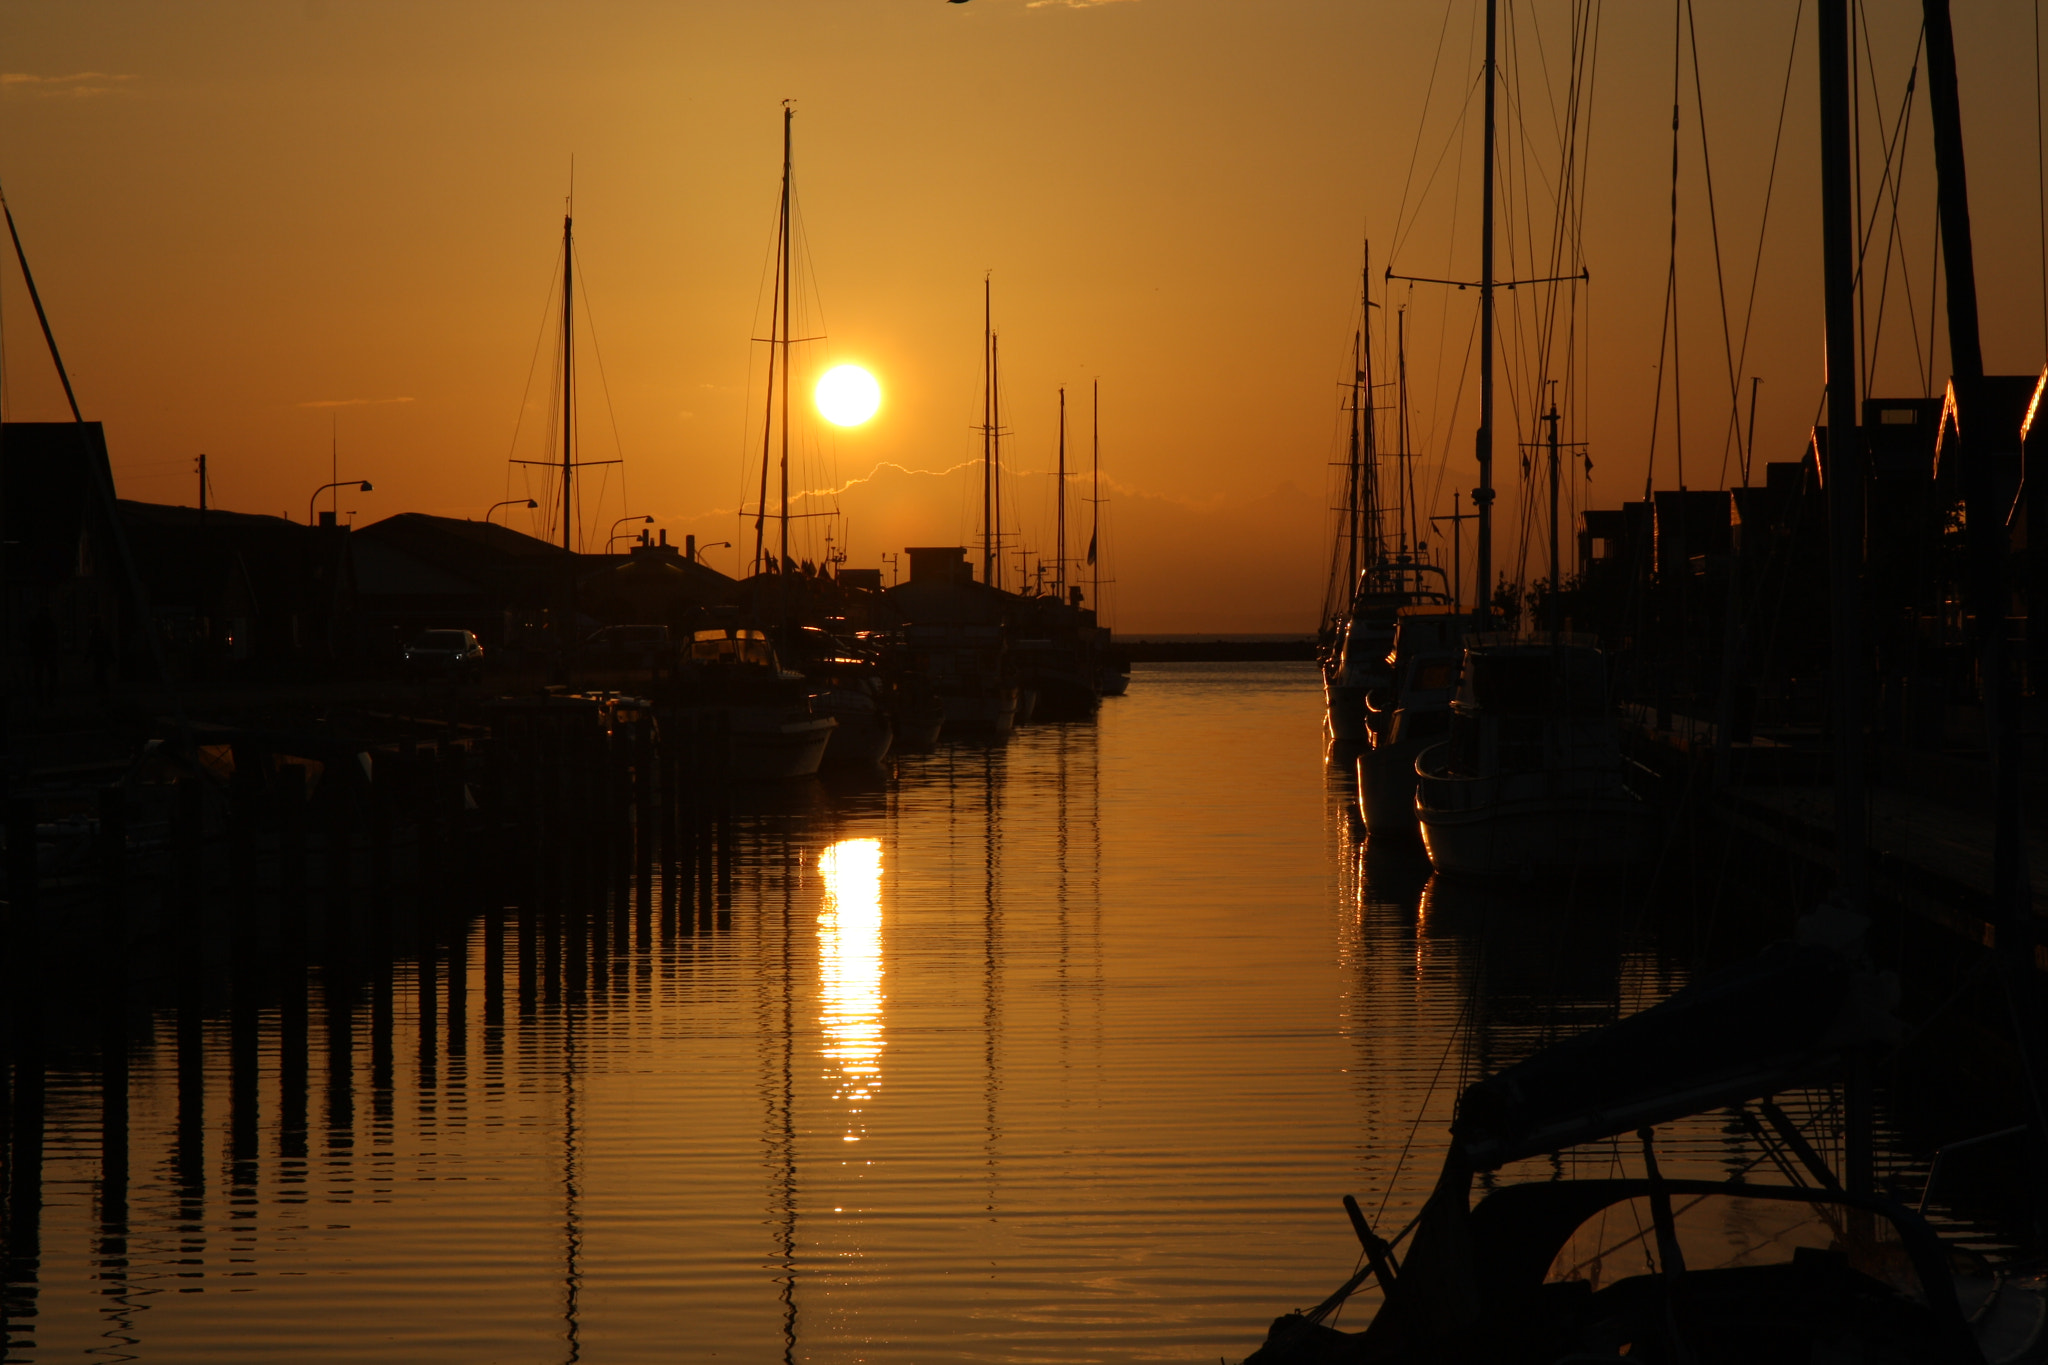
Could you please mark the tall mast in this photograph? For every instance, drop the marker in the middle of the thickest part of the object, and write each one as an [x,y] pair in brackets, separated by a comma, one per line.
[1556,603]
[988,389]
[1368,445]
[783,235]
[1413,527]
[1095,519]
[1351,479]
[1483,495]
[1059,552]
[995,469]
[568,372]
[1842,486]
[1842,477]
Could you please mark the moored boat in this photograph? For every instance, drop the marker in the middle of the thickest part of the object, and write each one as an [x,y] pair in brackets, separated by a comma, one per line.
[1530,780]
[1554,1268]
[773,733]
[1411,713]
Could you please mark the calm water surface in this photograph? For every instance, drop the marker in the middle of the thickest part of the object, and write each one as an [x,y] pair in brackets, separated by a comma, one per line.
[1058,1051]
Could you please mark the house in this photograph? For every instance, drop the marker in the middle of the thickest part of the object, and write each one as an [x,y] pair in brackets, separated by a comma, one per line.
[76,613]
[235,595]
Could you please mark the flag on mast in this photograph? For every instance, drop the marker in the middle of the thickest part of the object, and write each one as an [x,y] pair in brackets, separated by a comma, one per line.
[1091,546]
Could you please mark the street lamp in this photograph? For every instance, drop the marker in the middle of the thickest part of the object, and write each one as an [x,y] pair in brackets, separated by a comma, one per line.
[364,487]
[615,530]
[509,502]
[698,550]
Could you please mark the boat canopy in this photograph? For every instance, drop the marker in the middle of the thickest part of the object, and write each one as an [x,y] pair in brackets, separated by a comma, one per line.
[1776,1022]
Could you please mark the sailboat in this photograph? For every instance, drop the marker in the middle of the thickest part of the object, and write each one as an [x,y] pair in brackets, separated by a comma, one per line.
[1052,644]
[1372,586]
[957,641]
[736,670]
[568,632]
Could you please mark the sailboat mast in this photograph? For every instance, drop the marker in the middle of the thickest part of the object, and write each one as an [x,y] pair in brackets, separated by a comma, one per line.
[1059,562]
[988,389]
[1095,518]
[1351,480]
[995,469]
[568,374]
[788,114]
[1368,444]
[767,425]
[1483,495]
[1412,521]
[1556,602]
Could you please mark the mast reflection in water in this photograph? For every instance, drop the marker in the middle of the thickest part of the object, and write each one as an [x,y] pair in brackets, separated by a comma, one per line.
[850,971]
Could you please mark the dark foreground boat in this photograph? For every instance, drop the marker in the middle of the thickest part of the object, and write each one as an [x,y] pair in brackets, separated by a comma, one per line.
[1737,1270]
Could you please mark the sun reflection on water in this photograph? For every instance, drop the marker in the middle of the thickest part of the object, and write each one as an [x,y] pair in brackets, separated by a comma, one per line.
[850,961]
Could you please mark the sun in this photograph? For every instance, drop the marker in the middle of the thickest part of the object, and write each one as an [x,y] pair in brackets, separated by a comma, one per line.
[848,395]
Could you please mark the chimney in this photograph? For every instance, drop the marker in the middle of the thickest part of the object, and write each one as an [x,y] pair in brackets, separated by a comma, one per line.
[664,535]
[327,520]
[689,548]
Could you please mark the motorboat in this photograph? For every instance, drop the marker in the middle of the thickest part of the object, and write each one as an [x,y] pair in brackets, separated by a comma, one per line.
[733,677]
[1060,676]
[1530,780]
[969,671]
[847,684]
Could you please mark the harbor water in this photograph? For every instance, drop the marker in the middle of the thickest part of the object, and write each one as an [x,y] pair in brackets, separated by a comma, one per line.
[1064,1049]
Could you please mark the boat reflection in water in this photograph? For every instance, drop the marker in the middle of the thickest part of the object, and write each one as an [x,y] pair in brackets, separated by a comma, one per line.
[850,971]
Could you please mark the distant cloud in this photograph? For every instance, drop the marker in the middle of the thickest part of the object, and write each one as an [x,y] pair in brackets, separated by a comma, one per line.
[352,402]
[1071,4]
[78,85]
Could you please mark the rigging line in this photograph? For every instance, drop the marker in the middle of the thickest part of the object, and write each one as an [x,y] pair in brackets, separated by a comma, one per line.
[1866,230]
[1456,137]
[1443,467]
[1764,222]
[1665,338]
[1699,95]
[1421,123]
[540,335]
[1897,183]
[604,384]
[2040,177]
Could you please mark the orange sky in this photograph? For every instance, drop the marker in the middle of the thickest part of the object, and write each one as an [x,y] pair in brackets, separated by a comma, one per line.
[257,223]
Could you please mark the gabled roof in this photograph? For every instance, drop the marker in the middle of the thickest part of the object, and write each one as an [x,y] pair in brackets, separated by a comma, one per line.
[1987,416]
[443,555]
[185,556]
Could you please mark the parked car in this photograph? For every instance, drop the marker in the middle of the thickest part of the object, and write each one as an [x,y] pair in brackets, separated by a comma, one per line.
[446,650]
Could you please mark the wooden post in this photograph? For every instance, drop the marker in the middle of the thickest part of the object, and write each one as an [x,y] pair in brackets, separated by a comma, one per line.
[112,855]
[291,866]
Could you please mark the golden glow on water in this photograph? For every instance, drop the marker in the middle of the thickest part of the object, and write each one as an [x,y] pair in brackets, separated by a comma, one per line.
[850,963]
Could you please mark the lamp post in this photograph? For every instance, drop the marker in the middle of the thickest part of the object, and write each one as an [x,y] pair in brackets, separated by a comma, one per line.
[615,530]
[509,502]
[363,487]
[697,550]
